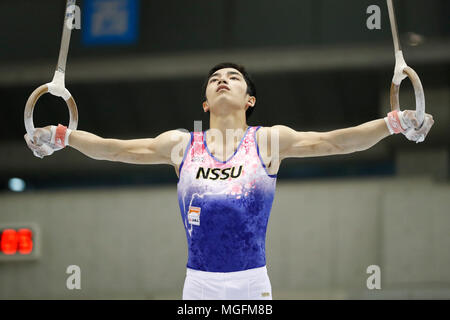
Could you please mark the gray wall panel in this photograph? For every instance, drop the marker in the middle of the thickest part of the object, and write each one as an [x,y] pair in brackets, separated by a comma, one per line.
[322,235]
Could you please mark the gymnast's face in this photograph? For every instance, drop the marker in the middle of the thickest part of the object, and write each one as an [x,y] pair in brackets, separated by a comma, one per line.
[227,89]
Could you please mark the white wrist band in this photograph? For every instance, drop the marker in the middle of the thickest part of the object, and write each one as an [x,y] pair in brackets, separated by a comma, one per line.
[53,131]
[53,136]
[66,140]
[388,125]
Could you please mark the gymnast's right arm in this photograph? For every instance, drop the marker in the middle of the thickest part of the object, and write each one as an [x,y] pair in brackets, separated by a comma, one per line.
[165,148]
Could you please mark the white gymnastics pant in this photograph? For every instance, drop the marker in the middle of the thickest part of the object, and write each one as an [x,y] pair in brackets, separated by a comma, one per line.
[252,284]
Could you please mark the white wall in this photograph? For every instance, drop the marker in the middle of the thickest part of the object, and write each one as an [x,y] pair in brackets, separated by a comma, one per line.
[322,235]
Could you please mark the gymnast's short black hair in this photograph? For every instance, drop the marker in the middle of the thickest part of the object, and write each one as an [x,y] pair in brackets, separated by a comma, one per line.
[251,89]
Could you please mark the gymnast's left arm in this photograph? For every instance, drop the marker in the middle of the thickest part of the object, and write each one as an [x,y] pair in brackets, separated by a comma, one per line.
[342,141]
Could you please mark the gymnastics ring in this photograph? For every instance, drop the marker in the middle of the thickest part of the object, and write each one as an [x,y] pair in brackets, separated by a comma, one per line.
[34,97]
[418,91]
[402,70]
[57,86]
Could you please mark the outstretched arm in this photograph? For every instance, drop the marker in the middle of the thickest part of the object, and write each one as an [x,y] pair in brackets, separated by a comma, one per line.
[163,149]
[314,144]
[362,137]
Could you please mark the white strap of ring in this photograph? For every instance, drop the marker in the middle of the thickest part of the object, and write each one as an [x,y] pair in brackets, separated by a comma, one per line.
[57,87]
[400,65]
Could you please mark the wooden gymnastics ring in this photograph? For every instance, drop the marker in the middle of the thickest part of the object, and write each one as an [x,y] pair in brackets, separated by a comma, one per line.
[418,91]
[34,97]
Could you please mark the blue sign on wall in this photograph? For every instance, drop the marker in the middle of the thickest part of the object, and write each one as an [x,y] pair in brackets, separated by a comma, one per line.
[110,22]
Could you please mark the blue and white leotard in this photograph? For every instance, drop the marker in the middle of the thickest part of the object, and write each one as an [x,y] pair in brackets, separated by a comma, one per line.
[225,205]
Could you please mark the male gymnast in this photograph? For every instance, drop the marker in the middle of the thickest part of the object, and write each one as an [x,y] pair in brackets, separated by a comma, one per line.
[227,177]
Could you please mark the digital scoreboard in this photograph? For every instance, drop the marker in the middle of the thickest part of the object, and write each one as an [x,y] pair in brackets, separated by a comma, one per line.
[19,242]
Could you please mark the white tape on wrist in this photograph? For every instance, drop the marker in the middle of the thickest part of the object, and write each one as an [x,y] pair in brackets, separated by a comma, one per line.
[53,131]
[394,122]
[388,125]
[53,136]
[404,125]
[66,140]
